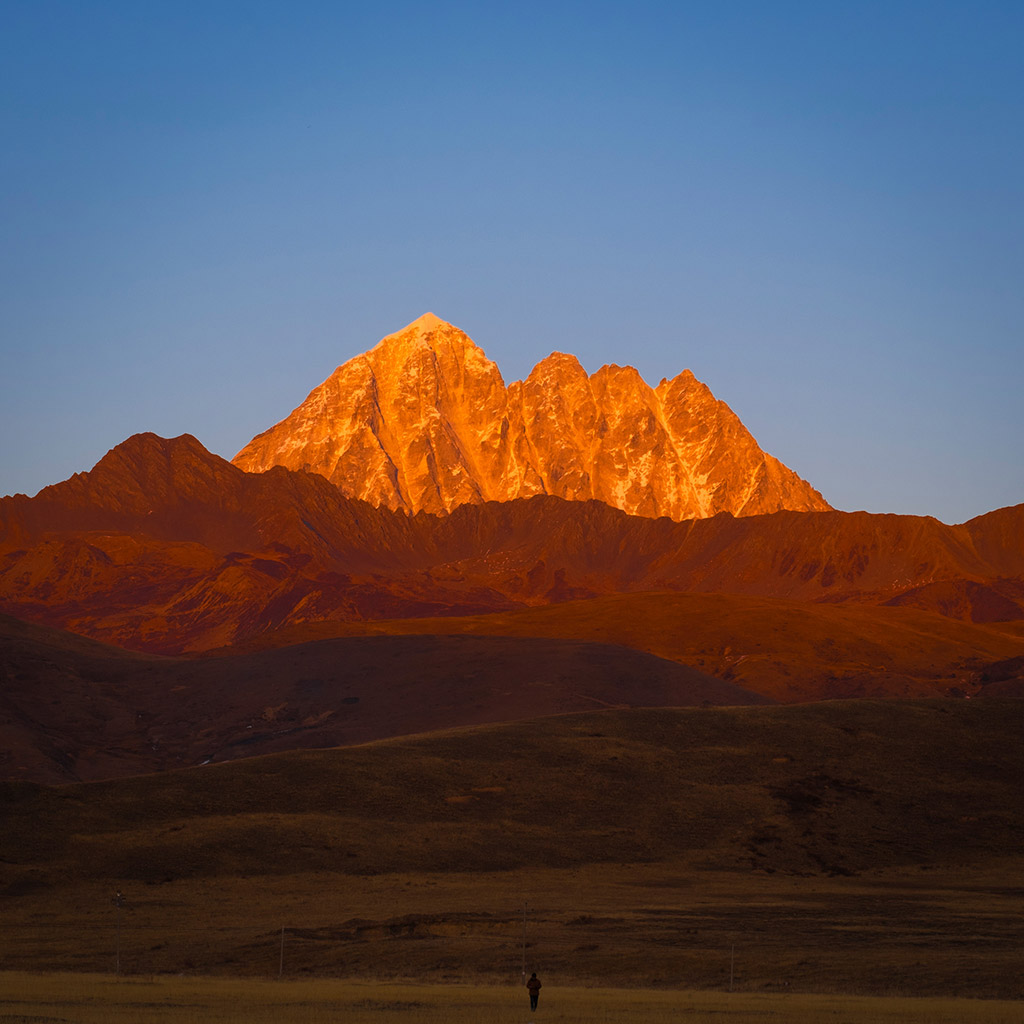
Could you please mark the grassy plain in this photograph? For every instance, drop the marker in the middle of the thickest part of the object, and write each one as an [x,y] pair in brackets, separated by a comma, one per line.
[103,999]
[957,932]
[866,848]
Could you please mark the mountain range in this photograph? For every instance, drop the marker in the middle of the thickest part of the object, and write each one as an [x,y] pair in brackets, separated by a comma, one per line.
[432,644]
[164,548]
[424,422]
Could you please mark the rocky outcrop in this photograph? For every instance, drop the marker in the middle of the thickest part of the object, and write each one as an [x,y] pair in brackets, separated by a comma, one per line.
[424,422]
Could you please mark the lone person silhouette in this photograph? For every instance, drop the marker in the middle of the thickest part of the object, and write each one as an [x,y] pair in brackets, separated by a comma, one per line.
[533,986]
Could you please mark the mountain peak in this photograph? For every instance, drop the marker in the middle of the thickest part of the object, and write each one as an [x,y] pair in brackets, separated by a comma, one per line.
[427,322]
[149,444]
[426,332]
[424,422]
[421,327]
[556,370]
[146,471]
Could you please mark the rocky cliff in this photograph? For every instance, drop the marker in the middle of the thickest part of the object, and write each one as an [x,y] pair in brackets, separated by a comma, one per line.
[424,422]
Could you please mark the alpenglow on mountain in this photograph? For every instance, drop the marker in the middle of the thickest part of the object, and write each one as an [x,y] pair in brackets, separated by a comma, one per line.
[424,422]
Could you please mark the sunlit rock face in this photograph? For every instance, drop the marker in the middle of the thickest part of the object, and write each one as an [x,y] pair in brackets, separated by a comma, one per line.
[424,422]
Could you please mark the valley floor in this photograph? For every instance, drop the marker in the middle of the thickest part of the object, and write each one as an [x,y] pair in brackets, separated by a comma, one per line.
[950,932]
[104,999]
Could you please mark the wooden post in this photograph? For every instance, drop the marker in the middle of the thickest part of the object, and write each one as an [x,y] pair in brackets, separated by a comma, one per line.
[280,969]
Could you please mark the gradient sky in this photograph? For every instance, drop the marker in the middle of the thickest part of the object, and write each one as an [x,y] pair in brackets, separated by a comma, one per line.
[816,207]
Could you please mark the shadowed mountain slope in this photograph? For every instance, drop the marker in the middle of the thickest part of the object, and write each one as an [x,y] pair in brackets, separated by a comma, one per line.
[73,709]
[788,650]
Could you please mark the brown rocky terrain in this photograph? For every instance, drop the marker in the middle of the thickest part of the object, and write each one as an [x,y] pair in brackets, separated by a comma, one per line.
[167,548]
[424,422]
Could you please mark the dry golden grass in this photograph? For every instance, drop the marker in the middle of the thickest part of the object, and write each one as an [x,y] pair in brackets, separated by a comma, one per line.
[103,999]
[862,847]
[957,932]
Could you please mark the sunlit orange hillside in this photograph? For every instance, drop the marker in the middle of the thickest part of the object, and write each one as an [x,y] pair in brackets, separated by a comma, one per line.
[167,548]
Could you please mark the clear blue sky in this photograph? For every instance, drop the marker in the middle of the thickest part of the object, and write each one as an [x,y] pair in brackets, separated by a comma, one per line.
[816,207]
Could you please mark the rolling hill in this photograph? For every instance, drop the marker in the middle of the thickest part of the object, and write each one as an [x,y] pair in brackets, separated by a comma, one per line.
[859,846]
[787,650]
[72,709]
